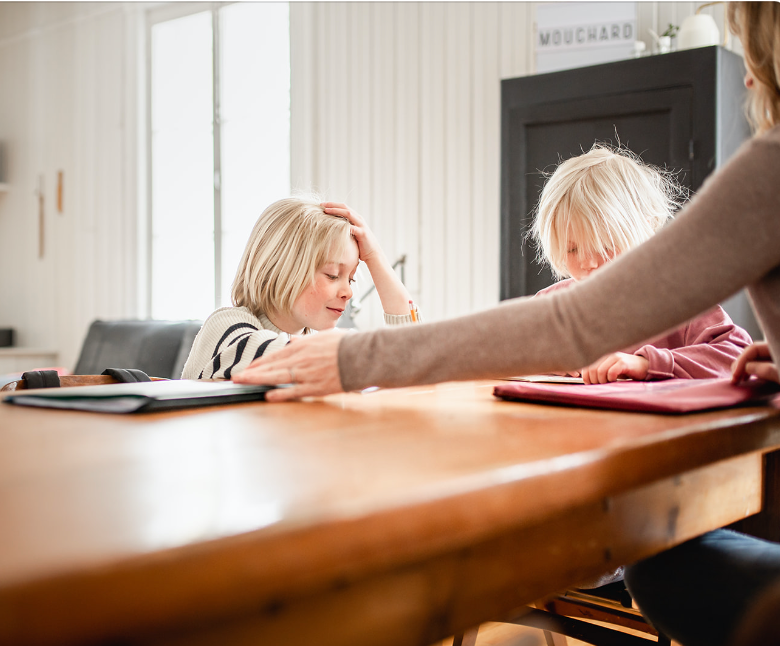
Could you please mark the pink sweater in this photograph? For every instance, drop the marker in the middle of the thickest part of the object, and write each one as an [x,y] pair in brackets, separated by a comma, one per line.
[703,347]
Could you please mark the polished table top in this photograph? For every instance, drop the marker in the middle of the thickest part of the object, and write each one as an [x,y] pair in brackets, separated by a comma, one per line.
[225,510]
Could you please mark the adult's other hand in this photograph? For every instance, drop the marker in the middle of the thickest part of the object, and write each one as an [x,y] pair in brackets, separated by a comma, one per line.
[755,360]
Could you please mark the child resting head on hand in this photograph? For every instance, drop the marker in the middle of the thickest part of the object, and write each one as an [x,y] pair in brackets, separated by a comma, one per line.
[601,204]
[294,277]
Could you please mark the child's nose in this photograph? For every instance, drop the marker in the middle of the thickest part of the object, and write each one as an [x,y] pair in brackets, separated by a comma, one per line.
[346,292]
[590,262]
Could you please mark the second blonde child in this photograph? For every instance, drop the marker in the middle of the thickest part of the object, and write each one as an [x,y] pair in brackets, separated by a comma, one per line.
[595,207]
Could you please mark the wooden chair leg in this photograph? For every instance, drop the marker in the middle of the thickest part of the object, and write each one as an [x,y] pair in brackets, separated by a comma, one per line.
[468,638]
[553,639]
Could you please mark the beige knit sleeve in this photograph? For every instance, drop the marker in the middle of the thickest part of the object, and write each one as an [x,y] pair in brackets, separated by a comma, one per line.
[402,319]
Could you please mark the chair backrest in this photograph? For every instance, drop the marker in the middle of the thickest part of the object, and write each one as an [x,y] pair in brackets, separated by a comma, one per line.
[159,348]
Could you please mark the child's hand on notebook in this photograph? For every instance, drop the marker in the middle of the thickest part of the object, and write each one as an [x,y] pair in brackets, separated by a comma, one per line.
[614,366]
[755,360]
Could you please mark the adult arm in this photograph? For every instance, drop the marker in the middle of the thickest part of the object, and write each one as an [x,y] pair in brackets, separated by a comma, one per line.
[727,237]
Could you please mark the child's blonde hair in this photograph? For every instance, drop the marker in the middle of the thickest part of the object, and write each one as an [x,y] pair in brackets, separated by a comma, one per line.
[608,200]
[290,241]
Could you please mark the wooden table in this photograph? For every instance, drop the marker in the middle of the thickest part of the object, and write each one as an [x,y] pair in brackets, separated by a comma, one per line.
[391,518]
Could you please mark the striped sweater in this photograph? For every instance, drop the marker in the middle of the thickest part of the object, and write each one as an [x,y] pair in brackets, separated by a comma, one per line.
[233,337]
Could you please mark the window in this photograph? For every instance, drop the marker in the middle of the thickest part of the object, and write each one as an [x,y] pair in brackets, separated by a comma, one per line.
[219,146]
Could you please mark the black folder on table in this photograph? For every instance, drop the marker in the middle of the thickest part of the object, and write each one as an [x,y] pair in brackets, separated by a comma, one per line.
[141,397]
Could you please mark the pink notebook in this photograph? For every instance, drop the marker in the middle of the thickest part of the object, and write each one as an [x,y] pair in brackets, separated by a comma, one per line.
[669,396]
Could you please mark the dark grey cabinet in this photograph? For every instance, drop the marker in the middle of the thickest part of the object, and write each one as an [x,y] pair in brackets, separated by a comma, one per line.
[682,111]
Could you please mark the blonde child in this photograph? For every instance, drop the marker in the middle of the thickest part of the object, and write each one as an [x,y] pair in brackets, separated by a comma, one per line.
[294,278]
[595,207]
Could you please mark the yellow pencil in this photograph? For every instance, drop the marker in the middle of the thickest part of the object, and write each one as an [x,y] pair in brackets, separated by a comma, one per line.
[413,311]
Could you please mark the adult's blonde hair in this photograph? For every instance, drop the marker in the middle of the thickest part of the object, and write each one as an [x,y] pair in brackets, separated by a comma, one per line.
[757,24]
[290,241]
[608,200]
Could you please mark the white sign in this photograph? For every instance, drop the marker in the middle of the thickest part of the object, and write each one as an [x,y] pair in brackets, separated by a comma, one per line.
[575,34]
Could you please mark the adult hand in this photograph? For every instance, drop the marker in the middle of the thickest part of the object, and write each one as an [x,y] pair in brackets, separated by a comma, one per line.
[616,365]
[757,361]
[309,363]
[368,246]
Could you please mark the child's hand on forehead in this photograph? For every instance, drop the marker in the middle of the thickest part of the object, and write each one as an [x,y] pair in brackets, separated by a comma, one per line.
[367,243]
[394,296]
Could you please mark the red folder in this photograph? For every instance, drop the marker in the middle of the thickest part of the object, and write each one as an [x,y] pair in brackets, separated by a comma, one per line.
[669,396]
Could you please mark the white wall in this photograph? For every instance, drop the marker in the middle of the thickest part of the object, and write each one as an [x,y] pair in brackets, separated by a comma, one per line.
[395,110]
[68,102]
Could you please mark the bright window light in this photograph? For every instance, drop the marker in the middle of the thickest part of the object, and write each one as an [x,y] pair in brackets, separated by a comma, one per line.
[220,147]
[255,122]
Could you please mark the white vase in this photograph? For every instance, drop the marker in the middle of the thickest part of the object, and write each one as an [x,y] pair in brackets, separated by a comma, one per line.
[698,31]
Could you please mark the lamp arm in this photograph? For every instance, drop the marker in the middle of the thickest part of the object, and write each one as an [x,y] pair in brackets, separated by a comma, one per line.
[357,301]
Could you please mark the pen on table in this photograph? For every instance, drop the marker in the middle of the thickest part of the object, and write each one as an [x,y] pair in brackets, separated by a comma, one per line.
[413,311]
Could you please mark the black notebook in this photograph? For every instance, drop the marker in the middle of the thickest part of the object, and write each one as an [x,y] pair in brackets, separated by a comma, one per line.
[141,397]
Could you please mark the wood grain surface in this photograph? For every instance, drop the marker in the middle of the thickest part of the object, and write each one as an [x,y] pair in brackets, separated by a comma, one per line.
[396,517]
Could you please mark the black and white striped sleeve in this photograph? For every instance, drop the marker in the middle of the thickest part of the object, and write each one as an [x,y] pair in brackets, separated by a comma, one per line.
[225,347]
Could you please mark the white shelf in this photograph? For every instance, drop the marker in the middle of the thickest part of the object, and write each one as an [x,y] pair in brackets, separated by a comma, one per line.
[17,351]
[15,359]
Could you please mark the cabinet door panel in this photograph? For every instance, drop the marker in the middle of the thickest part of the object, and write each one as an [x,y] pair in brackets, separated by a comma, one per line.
[656,125]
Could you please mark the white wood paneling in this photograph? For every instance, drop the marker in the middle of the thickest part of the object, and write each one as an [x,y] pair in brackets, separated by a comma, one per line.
[406,199]
[486,133]
[67,77]
[406,128]
[302,95]
[458,158]
[433,160]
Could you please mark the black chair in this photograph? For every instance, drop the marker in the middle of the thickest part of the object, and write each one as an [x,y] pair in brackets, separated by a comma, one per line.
[761,624]
[159,348]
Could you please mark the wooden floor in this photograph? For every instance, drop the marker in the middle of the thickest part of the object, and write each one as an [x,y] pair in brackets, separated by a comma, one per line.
[496,634]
